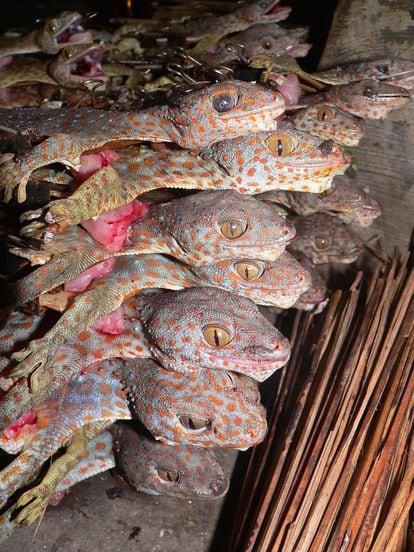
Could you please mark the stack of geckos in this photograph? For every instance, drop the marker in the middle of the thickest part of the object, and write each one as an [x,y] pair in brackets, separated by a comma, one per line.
[184,363]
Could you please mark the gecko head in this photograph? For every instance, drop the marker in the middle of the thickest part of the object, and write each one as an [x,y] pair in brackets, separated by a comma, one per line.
[369,99]
[61,31]
[329,122]
[277,283]
[285,159]
[345,198]
[214,329]
[77,64]
[224,110]
[323,238]
[222,224]
[157,468]
[209,408]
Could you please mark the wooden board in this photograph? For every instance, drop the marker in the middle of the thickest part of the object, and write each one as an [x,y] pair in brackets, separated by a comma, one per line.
[368,29]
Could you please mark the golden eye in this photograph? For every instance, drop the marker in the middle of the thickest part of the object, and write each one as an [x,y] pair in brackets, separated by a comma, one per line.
[280,144]
[52,26]
[266,44]
[325,114]
[321,243]
[248,271]
[224,101]
[67,53]
[216,336]
[233,229]
[193,423]
[328,192]
[168,475]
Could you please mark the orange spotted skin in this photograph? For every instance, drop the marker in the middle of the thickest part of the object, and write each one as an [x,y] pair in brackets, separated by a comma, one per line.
[234,419]
[249,165]
[203,476]
[368,99]
[171,328]
[325,239]
[329,123]
[286,160]
[195,471]
[349,202]
[225,404]
[218,111]
[192,229]
[278,284]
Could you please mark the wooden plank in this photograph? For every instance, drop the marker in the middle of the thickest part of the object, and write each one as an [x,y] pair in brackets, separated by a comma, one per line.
[367,29]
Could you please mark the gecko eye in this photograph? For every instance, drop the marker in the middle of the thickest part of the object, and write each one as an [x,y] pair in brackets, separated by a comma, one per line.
[321,243]
[224,102]
[194,424]
[52,26]
[67,53]
[382,69]
[369,92]
[216,336]
[248,271]
[325,114]
[328,192]
[280,144]
[267,44]
[169,476]
[233,229]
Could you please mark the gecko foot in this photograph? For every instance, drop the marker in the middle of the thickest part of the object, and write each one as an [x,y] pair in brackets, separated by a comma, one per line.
[13,176]
[29,359]
[34,502]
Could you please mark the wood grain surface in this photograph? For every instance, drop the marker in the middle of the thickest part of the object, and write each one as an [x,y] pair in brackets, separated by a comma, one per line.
[367,29]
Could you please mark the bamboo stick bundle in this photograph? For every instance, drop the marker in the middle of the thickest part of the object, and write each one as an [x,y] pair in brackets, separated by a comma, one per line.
[336,471]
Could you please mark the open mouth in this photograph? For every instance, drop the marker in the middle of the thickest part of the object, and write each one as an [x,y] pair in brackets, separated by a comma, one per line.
[88,65]
[278,13]
[74,33]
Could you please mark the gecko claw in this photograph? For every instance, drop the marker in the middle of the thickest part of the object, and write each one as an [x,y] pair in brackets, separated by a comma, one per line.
[12,176]
[34,502]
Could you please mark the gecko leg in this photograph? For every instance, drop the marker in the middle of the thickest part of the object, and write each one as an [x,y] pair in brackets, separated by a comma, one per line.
[36,500]
[58,148]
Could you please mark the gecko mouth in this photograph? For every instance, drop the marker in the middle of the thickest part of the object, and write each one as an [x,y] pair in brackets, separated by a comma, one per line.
[88,65]
[277,361]
[74,33]
[277,13]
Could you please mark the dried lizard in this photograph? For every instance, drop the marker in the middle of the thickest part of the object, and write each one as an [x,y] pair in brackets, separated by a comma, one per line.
[184,330]
[218,111]
[55,34]
[325,239]
[287,159]
[345,199]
